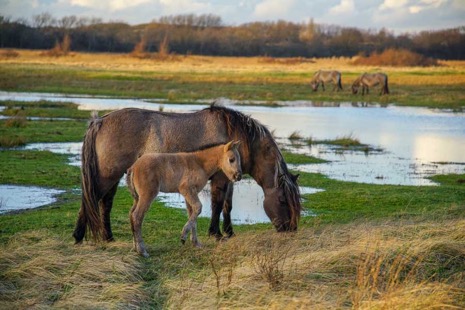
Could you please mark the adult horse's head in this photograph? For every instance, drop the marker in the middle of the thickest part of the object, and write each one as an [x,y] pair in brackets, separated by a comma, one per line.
[282,196]
[262,159]
[355,87]
[314,85]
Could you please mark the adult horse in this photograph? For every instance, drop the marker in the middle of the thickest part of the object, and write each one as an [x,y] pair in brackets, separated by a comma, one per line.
[114,141]
[322,77]
[368,80]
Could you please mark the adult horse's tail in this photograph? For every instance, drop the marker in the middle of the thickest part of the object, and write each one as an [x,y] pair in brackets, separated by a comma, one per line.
[89,214]
[339,83]
[386,87]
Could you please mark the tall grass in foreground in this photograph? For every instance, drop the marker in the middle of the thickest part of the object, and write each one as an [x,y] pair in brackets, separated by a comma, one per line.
[390,265]
[40,270]
[410,263]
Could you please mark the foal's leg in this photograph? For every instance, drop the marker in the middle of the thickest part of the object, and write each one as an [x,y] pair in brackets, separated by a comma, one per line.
[323,86]
[192,200]
[219,186]
[137,217]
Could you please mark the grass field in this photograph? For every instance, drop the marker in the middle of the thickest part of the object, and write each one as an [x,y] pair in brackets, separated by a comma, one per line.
[369,247]
[187,78]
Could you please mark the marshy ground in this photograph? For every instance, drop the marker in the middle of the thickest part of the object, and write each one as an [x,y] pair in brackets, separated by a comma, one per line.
[369,247]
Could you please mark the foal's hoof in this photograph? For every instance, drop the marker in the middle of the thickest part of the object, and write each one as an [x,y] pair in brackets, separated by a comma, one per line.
[183,240]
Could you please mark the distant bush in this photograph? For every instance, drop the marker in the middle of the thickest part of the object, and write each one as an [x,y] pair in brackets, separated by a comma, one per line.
[60,49]
[163,53]
[8,53]
[396,58]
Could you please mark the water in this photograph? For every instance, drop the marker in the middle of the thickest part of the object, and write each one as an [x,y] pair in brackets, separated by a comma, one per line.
[14,197]
[416,142]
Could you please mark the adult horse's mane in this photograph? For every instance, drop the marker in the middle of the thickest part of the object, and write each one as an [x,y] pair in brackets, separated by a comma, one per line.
[250,131]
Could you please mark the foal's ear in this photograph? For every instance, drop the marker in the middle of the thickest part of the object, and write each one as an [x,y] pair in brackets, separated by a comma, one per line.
[232,145]
[228,146]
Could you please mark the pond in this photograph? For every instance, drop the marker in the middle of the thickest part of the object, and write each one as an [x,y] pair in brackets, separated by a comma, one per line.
[416,142]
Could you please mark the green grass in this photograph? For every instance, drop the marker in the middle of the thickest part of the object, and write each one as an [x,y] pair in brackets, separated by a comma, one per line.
[340,204]
[190,86]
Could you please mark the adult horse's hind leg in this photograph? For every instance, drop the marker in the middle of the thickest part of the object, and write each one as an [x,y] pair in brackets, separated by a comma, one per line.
[219,186]
[105,208]
[80,228]
[227,207]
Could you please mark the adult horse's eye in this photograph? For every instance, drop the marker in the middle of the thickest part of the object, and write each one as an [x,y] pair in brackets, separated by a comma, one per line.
[231,160]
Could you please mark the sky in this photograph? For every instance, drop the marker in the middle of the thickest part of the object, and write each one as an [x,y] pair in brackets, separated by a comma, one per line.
[399,16]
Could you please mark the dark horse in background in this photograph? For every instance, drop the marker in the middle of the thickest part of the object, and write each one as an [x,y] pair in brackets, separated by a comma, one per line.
[367,80]
[116,140]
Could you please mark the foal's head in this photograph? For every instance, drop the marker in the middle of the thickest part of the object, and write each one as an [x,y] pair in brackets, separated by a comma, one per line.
[230,162]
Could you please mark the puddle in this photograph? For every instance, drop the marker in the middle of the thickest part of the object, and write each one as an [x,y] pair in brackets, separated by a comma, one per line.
[14,197]
[71,148]
[373,168]
[247,202]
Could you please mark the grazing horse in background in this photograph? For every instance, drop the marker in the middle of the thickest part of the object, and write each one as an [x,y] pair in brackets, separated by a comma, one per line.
[184,173]
[116,140]
[367,80]
[322,77]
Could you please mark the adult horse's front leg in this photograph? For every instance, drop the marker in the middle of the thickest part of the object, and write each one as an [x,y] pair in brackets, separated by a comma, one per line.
[227,207]
[219,186]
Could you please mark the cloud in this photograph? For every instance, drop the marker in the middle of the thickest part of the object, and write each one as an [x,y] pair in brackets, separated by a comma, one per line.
[425,5]
[112,5]
[393,4]
[273,9]
[346,6]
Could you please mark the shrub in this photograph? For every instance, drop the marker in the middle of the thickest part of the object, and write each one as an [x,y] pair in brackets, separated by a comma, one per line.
[8,53]
[61,48]
[396,58]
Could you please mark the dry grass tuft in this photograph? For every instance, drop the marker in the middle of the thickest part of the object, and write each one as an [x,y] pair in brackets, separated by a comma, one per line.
[40,270]
[389,265]
[285,61]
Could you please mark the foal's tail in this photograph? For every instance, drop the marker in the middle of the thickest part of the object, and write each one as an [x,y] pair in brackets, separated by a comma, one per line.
[89,215]
[130,183]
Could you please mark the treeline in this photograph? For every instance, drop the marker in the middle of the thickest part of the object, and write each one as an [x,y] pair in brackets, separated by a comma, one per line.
[207,35]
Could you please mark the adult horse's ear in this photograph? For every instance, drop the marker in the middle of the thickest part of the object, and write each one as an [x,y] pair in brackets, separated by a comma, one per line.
[294,177]
[236,143]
